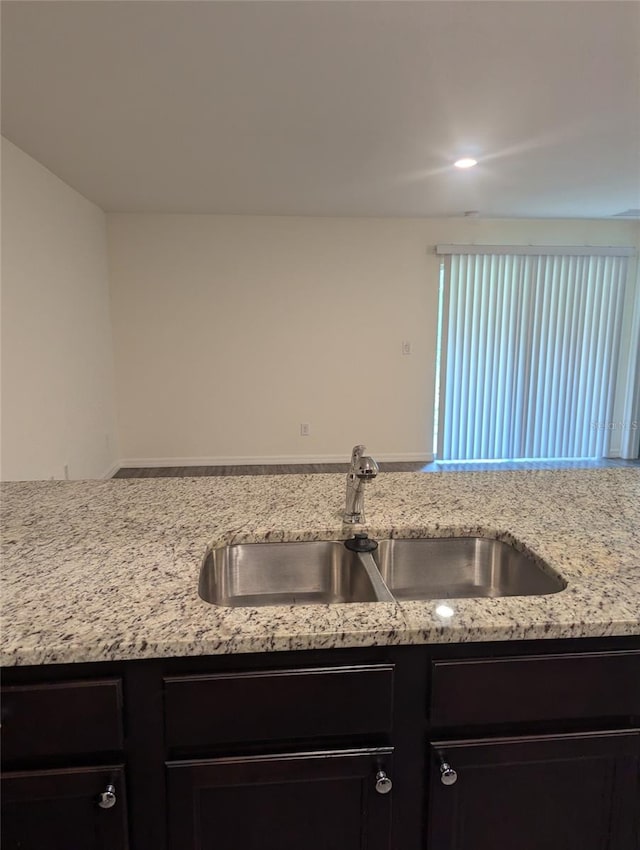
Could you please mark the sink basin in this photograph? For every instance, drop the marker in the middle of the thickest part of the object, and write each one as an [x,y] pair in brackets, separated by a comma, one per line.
[454,567]
[325,572]
[318,572]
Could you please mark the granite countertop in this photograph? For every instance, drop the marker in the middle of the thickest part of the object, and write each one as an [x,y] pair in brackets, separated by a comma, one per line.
[104,570]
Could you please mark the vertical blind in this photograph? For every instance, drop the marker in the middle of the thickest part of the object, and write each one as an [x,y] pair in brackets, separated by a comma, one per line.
[529,359]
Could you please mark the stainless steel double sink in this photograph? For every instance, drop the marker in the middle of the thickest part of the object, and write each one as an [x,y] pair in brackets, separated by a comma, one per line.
[325,572]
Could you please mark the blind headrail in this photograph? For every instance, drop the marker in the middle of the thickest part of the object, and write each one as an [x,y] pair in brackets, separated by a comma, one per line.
[540,250]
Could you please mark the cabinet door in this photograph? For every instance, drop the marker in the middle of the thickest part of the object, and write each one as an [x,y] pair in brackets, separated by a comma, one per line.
[569,792]
[58,810]
[315,801]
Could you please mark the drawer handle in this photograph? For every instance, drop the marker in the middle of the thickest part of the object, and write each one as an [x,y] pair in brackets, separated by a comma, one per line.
[448,775]
[107,799]
[383,783]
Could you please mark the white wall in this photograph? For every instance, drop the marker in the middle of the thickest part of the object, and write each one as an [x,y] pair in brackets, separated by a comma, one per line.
[230,331]
[58,398]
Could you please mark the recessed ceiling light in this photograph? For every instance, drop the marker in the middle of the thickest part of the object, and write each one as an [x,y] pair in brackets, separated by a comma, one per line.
[465,162]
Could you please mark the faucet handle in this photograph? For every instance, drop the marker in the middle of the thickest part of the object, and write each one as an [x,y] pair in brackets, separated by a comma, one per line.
[367,468]
[362,466]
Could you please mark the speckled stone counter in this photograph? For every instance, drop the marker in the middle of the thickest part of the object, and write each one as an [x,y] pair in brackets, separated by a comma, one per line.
[96,571]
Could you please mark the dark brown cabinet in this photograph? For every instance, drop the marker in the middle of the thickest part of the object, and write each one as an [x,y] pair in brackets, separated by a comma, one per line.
[60,810]
[319,801]
[338,702]
[533,688]
[61,789]
[573,786]
[557,792]
[321,792]
[291,750]
[68,719]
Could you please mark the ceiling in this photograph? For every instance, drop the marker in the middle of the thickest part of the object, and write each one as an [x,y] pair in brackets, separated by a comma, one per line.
[353,107]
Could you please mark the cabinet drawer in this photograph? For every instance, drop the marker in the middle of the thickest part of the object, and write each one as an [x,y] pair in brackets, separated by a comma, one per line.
[69,718]
[329,702]
[537,688]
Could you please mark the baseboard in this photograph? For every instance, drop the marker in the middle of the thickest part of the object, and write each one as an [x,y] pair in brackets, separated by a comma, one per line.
[111,471]
[151,462]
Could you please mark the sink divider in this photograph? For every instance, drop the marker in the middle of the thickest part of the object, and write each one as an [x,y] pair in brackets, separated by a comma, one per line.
[379,585]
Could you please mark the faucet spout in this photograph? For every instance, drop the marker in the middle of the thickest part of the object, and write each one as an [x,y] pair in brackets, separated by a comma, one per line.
[362,470]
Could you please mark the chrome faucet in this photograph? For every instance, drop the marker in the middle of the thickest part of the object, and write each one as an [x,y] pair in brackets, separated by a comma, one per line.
[362,469]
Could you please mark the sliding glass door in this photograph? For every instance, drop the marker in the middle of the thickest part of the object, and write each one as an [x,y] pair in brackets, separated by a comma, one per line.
[530,347]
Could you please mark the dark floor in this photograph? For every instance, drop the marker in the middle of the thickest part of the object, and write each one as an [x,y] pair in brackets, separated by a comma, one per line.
[288,469]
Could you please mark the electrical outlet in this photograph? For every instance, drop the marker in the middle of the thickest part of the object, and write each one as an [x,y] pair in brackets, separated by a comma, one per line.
[305,429]
[66,472]
[406,347]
